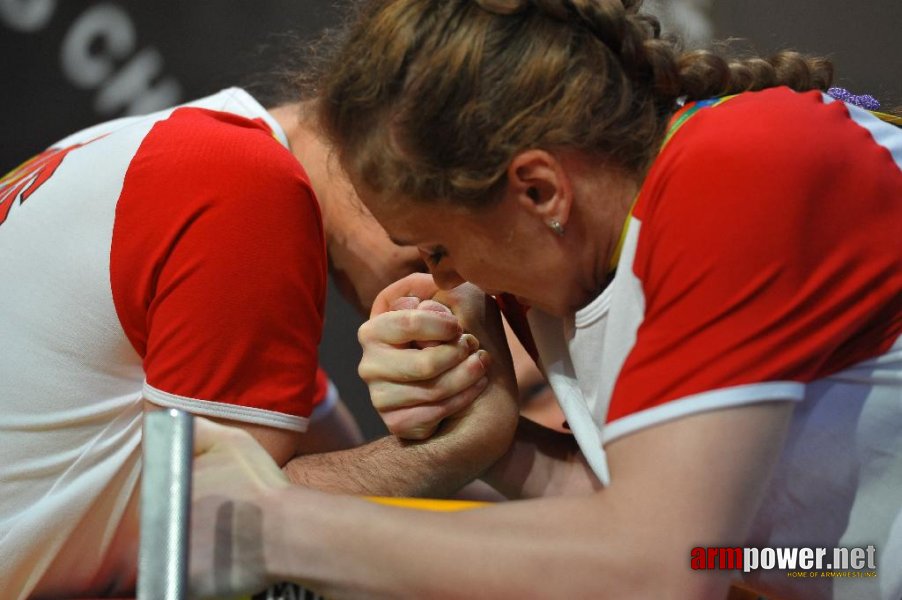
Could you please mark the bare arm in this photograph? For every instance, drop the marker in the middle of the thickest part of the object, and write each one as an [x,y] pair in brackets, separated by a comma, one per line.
[412,402]
[280,444]
[541,462]
[460,448]
[440,379]
[597,545]
[389,466]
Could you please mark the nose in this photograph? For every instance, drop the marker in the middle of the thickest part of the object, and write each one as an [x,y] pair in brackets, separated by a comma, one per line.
[443,274]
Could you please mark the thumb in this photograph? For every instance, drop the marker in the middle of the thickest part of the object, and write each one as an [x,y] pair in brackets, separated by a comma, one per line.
[434,307]
[419,285]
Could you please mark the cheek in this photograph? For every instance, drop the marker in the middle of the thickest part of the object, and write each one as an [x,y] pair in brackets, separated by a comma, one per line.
[402,263]
[491,270]
[396,265]
[515,269]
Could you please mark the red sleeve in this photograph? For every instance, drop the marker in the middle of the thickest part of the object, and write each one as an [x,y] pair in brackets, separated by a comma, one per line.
[769,251]
[218,265]
[320,387]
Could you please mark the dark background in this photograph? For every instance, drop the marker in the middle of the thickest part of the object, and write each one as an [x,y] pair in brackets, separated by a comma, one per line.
[69,64]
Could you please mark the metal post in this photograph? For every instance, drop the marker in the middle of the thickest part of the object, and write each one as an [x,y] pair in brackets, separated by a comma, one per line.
[168,447]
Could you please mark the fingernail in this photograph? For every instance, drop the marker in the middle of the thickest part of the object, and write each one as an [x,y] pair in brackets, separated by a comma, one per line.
[471,342]
[484,358]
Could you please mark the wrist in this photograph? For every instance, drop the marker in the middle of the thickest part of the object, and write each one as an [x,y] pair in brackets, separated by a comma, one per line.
[279,545]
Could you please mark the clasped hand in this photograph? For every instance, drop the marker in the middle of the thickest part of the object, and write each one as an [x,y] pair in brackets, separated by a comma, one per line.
[429,354]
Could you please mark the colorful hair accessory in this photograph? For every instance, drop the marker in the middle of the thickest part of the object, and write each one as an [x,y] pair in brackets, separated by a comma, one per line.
[865,101]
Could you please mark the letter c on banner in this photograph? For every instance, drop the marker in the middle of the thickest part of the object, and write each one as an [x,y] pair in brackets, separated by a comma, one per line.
[83,62]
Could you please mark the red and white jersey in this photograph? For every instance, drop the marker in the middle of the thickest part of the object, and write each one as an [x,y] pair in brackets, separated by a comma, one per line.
[178,257]
[762,262]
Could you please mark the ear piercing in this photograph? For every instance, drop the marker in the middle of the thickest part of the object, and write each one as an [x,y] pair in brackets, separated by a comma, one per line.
[556,227]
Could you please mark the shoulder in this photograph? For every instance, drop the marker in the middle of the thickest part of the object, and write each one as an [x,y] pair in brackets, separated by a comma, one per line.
[777,117]
[231,144]
[222,159]
[759,154]
[773,132]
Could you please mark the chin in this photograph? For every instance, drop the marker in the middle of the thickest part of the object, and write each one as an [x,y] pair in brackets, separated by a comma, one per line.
[546,305]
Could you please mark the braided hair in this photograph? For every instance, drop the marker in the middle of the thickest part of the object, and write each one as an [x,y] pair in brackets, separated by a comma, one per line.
[433,99]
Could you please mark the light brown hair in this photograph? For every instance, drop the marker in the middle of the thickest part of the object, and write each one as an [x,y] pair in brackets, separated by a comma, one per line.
[431,99]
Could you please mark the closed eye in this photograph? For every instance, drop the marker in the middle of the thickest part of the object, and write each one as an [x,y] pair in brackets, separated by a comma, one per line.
[435,255]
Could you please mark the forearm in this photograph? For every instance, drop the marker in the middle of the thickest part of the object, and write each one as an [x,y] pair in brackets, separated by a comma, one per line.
[595,545]
[385,467]
[561,547]
[462,449]
[541,462]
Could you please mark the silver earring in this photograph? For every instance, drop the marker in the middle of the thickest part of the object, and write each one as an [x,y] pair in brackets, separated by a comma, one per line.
[556,227]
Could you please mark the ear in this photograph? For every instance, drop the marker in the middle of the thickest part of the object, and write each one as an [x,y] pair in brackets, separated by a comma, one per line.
[539,182]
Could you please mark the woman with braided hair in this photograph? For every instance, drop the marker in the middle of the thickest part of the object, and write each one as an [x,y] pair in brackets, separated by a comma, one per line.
[703,256]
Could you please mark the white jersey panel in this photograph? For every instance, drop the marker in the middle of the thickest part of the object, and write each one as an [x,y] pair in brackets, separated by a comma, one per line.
[67,430]
[838,482]
[71,380]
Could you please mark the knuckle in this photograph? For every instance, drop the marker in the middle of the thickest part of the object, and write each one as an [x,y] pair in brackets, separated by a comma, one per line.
[378,400]
[363,331]
[365,371]
[418,368]
[393,424]
[407,320]
[396,423]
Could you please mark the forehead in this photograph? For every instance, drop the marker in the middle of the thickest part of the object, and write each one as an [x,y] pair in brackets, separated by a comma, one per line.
[411,222]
